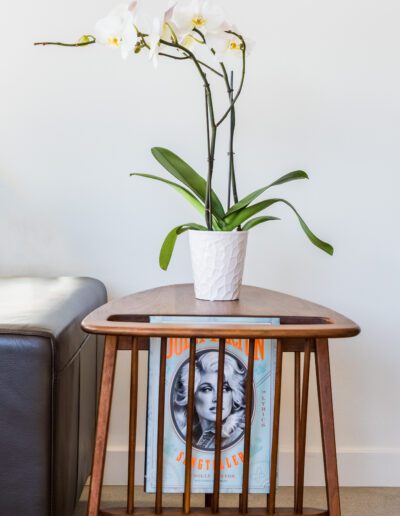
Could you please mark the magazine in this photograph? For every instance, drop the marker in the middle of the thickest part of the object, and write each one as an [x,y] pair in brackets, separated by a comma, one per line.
[234,403]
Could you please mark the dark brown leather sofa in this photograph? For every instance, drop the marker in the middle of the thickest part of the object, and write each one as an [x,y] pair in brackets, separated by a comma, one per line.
[49,377]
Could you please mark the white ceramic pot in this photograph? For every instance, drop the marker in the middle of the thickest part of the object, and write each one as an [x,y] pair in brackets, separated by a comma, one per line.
[218,262]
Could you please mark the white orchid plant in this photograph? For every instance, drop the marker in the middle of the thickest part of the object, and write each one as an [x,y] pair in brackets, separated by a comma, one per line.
[177,32]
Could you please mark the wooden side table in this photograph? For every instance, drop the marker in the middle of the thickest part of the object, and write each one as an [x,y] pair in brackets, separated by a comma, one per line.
[304,328]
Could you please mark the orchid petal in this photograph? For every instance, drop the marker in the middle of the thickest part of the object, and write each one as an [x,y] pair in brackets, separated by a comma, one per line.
[155,41]
[183,15]
[117,29]
[214,15]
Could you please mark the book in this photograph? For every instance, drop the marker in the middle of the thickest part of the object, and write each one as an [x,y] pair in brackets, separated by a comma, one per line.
[234,403]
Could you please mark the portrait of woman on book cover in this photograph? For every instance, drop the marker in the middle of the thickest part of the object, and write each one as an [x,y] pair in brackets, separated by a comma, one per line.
[205,400]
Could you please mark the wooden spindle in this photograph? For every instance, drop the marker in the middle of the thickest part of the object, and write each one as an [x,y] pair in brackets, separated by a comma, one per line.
[303,430]
[327,426]
[244,499]
[275,430]
[189,427]
[103,421]
[160,432]
[132,425]
[218,426]
[297,363]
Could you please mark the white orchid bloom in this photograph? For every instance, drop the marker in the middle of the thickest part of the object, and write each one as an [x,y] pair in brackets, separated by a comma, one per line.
[204,15]
[160,30]
[228,47]
[117,28]
[225,43]
[154,41]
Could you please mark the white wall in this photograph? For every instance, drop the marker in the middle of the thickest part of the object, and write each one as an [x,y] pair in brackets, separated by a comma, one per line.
[322,95]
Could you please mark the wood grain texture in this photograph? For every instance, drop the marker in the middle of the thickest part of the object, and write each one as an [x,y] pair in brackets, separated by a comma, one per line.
[327,426]
[244,499]
[132,425]
[299,318]
[301,451]
[160,427]
[103,422]
[145,511]
[297,363]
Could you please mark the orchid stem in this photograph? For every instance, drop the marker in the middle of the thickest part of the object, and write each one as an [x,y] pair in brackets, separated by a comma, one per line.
[231,150]
[208,200]
[210,68]
[211,124]
[242,79]
[84,41]
[180,58]
[232,176]
[60,44]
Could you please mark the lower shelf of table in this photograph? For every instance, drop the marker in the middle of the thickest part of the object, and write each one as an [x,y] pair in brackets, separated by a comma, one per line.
[172,511]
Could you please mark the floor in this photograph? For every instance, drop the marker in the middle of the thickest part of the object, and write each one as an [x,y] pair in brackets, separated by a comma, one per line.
[355,501]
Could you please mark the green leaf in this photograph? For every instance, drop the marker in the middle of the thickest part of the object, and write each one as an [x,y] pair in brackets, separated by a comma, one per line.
[189,177]
[199,206]
[292,176]
[169,243]
[311,236]
[256,221]
[236,219]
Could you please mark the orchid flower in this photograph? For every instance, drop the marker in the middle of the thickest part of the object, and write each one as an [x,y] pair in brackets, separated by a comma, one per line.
[228,46]
[161,29]
[203,15]
[117,28]
[177,24]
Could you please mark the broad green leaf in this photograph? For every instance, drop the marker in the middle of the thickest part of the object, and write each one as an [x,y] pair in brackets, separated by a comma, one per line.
[189,177]
[256,221]
[292,176]
[169,243]
[236,219]
[199,206]
[218,224]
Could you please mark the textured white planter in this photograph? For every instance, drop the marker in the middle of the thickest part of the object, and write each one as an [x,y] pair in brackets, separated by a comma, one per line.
[218,262]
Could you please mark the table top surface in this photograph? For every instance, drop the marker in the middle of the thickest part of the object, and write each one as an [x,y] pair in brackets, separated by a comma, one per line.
[298,318]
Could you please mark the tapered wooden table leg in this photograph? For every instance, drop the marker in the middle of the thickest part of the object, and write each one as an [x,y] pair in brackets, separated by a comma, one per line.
[302,431]
[103,420]
[160,433]
[297,403]
[327,426]
[132,426]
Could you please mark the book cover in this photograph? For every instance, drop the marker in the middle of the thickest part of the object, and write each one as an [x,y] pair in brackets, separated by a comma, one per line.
[234,403]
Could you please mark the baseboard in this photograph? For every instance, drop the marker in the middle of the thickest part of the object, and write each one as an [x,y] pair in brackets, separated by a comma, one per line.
[357,467]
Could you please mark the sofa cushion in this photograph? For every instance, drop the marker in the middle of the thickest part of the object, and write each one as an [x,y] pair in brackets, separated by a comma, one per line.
[48,393]
[49,307]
